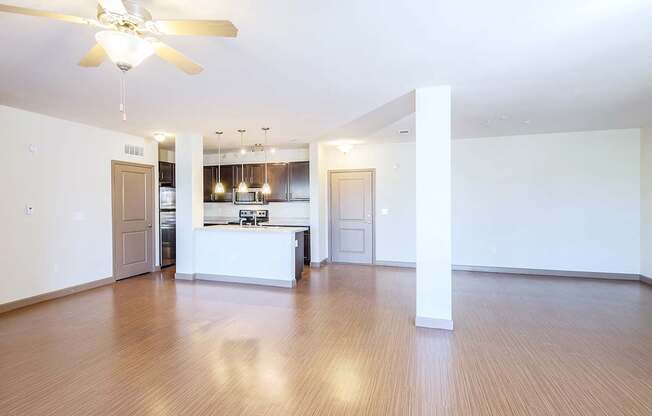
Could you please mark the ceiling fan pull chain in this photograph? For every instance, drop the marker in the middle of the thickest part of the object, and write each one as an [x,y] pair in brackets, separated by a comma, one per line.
[123,96]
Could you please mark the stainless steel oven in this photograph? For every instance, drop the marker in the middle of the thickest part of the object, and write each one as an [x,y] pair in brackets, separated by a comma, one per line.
[254,196]
[167,223]
[168,238]
[167,198]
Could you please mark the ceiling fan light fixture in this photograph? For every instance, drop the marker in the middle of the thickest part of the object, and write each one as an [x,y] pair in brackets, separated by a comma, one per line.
[127,51]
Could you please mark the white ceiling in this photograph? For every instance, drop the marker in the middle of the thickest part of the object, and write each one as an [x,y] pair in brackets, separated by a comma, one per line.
[309,69]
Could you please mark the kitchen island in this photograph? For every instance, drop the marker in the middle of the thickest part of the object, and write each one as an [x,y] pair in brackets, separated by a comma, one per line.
[270,256]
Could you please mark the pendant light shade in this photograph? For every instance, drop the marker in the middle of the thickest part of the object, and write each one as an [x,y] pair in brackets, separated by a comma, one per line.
[266,188]
[219,188]
[125,50]
[242,187]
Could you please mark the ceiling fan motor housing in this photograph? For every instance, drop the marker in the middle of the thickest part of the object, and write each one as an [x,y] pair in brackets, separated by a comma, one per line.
[134,21]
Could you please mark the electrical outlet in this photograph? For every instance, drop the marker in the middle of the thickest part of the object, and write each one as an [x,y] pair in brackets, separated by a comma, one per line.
[29,209]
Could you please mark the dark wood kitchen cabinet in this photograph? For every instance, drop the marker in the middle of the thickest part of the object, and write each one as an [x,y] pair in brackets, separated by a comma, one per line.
[209,183]
[211,176]
[254,174]
[226,173]
[299,181]
[277,175]
[306,246]
[166,174]
[289,181]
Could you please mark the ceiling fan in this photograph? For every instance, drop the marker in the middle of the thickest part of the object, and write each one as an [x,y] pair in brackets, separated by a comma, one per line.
[130,36]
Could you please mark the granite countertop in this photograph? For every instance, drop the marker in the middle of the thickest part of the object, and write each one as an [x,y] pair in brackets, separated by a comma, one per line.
[255,229]
[298,222]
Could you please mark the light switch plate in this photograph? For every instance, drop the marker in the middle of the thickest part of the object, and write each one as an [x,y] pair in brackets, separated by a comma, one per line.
[29,209]
[384,211]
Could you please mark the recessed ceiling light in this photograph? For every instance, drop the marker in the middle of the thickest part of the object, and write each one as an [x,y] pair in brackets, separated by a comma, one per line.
[272,150]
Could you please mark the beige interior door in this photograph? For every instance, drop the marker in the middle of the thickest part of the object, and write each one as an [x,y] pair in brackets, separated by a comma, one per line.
[351,219]
[133,216]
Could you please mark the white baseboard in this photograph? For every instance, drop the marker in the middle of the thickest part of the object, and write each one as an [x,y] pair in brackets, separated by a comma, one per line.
[237,279]
[646,280]
[433,323]
[318,264]
[184,276]
[404,264]
[543,272]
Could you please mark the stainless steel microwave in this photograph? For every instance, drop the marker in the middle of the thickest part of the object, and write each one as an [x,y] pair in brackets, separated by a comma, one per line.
[254,196]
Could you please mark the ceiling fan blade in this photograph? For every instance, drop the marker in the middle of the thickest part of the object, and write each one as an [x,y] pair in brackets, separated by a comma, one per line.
[197,28]
[175,57]
[94,57]
[113,6]
[40,13]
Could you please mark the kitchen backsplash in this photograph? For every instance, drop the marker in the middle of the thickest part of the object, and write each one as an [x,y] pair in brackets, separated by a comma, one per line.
[277,210]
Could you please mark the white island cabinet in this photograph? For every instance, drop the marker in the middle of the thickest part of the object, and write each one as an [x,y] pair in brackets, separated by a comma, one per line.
[271,256]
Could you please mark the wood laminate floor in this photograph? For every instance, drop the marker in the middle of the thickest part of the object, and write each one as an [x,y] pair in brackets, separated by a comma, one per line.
[342,343]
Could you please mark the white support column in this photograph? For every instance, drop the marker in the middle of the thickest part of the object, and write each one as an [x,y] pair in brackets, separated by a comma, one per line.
[317,204]
[433,199]
[189,159]
[315,252]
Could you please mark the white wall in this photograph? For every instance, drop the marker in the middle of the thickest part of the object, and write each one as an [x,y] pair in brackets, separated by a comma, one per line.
[165,155]
[280,155]
[646,201]
[395,195]
[568,201]
[67,240]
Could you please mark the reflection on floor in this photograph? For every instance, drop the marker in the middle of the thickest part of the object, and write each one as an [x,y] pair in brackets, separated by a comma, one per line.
[343,342]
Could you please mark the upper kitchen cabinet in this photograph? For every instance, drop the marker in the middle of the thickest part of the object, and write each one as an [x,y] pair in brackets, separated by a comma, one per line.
[166,174]
[277,175]
[211,176]
[209,183]
[254,174]
[226,174]
[299,181]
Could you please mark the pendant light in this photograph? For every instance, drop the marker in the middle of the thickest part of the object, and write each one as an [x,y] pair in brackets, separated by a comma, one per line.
[243,185]
[266,188]
[219,188]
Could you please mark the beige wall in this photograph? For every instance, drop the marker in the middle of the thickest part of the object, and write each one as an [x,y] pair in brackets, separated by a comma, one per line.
[67,240]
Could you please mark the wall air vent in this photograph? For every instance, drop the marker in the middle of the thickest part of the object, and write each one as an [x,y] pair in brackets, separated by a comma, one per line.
[134,150]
